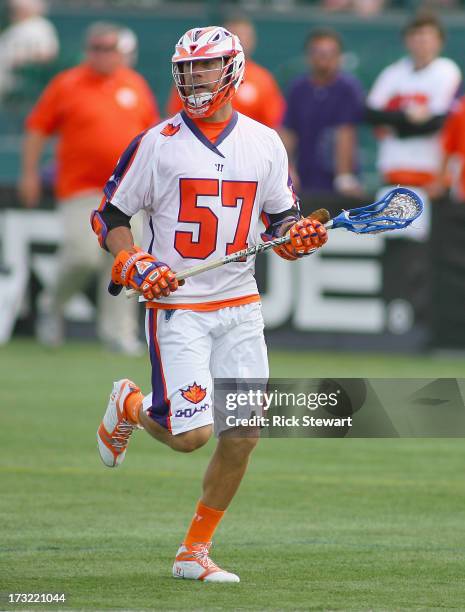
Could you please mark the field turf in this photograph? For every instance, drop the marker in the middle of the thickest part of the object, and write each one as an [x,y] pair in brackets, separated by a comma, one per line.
[318,524]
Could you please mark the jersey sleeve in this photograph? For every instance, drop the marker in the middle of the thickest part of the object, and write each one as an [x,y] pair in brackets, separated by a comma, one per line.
[382,89]
[279,194]
[444,93]
[131,186]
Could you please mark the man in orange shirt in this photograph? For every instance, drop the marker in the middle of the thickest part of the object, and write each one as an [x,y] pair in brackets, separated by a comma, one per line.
[95,109]
[259,96]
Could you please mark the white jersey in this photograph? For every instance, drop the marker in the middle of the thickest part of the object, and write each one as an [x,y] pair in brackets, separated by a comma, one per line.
[400,85]
[203,201]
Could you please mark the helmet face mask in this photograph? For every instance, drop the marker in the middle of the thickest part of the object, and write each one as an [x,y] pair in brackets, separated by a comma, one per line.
[207,86]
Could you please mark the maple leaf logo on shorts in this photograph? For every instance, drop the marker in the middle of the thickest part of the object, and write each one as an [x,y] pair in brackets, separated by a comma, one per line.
[194,393]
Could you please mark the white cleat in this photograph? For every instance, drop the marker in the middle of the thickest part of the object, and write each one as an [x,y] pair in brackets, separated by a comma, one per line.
[116,428]
[193,563]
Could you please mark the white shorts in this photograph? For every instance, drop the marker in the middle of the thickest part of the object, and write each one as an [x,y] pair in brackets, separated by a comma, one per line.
[188,350]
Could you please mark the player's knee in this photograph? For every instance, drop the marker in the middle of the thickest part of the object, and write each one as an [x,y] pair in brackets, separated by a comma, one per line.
[238,449]
[191,440]
[245,446]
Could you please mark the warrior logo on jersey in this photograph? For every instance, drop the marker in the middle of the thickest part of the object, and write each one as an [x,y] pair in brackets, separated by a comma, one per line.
[194,393]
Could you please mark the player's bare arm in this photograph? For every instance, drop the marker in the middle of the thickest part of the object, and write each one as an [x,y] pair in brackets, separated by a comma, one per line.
[30,182]
[119,239]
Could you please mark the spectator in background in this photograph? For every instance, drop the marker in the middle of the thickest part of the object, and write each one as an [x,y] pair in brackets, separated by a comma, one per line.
[409,102]
[95,109]
[320,125]
[30,39]
[259,96]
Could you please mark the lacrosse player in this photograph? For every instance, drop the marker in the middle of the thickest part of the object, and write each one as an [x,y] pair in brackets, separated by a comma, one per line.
[203,178]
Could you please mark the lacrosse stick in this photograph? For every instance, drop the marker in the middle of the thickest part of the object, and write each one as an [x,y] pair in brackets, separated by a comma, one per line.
[396,210]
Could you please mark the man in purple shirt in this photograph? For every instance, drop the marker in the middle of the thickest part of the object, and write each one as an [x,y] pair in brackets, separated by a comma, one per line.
[319,128]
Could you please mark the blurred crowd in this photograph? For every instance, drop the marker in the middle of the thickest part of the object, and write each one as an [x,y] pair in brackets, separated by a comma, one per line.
[30,38]
[414,107]
[363,8]
[319,114]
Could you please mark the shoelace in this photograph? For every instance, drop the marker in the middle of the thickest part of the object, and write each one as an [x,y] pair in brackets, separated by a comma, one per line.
[122,434]
[201,553]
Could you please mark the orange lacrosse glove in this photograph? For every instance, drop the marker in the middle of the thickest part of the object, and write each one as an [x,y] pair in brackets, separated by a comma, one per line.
[306,235]
[141,271]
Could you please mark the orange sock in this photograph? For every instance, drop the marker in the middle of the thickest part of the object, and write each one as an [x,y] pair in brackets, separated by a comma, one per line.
[132,406]
[203,525]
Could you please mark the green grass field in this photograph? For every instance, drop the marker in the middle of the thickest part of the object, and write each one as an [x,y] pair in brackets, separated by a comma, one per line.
[318,524]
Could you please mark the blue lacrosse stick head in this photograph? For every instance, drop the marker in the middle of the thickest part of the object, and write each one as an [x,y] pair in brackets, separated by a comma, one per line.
[396,210]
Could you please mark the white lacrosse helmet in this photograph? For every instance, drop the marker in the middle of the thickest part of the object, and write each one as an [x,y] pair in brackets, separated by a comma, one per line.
[204,44]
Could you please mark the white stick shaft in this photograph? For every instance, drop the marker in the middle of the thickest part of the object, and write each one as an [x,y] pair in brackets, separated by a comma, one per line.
[216,263]
[199,269]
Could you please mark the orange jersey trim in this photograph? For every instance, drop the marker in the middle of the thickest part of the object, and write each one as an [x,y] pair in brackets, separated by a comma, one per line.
[211,130]
[206,306]
[409,177]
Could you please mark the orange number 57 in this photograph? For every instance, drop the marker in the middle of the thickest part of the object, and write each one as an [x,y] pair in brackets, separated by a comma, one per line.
[233,194]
